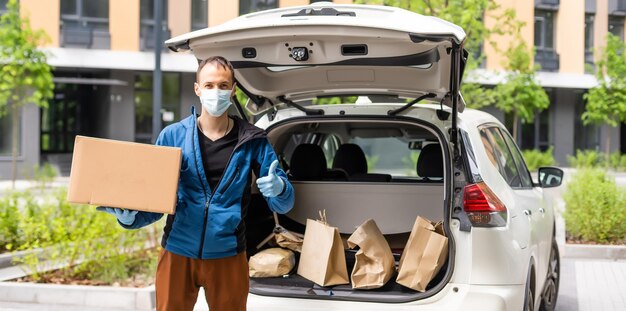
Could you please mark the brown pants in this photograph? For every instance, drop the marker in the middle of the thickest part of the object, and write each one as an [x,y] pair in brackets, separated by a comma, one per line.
[178,279]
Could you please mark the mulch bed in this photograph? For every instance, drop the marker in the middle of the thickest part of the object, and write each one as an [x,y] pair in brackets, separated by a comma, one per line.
[58,277]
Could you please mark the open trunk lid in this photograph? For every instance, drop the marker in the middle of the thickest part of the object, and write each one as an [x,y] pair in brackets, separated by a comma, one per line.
[327,49]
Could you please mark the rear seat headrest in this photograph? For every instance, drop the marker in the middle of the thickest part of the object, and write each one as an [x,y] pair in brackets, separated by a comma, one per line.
[350,158]
[308,162]
[430,162]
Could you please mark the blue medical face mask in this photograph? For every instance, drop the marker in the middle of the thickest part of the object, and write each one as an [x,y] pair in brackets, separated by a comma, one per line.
[215,101]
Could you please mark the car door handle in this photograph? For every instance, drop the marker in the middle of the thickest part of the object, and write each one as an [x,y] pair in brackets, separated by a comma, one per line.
[541,210]
[527,212]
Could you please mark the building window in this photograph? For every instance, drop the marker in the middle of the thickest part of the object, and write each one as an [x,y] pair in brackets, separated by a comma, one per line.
[6,135]
[199,14]
[249,6]
[585,136]
[616,26]
[544,41]
[3,6]
[58,121]
[85,23]
[589,64]
[535,134]
[170,109]
[148,23]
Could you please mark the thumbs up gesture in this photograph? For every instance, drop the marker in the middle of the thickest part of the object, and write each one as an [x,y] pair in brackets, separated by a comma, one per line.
[271,185]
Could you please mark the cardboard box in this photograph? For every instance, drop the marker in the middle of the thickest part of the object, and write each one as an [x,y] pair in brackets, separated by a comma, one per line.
[122,174]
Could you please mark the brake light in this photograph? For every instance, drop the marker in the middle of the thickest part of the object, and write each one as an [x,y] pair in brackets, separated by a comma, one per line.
[483,207]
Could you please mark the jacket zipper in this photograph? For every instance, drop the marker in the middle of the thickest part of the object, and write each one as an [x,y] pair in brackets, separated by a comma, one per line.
[217,186]
[206,198]
[206,207]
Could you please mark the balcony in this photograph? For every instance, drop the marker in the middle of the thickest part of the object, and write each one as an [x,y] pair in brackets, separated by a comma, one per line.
[547,4]
[548,59]
[617,7]
[84,36]
[147,37]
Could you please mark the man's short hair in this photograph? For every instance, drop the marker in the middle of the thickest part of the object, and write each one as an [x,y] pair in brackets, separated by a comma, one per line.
[217,61]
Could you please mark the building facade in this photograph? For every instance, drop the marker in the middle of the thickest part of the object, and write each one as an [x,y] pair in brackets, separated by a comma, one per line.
[103,57]
[568,36]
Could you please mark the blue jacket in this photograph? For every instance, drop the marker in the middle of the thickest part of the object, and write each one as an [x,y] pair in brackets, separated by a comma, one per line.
[208,222]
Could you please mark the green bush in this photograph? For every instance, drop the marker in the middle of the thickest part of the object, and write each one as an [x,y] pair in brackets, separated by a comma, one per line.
[535,158]
[596,208]
[617,161]
[9,223]
[586,159]
[44,174]
[90,242]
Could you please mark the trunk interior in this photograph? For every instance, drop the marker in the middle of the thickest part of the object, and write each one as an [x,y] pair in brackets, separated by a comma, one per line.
[390,194]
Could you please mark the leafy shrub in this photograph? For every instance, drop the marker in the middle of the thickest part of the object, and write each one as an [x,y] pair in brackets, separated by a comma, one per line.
[586,159]
[44,174]
[9,223]
[596,208]
[535,158]
[90,242]
[617,161]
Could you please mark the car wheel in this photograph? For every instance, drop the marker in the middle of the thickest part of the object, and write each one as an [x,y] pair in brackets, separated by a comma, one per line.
[529,297]
[551,287]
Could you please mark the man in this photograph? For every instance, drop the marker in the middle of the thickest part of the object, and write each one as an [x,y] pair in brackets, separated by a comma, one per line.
[204,242]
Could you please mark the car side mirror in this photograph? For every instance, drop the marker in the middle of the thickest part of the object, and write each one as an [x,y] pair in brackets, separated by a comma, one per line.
[550,177]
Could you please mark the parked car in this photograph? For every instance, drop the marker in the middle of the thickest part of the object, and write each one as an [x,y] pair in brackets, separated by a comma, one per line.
[384,155]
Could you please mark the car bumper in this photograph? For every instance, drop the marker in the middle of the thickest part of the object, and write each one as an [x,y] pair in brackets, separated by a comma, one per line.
[452,297]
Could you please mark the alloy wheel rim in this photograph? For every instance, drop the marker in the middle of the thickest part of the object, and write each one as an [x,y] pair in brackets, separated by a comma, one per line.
[550,292]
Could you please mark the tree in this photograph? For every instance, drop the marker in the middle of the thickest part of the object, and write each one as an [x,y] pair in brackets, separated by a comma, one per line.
[520,94]
[469,14]
[606,103]
[25,77]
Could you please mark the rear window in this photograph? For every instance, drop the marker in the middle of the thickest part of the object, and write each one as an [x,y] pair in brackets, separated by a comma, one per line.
[359,151]
[389,156]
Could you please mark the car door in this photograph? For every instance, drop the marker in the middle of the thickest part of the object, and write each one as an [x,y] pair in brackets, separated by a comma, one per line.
[526,200]
[543,214]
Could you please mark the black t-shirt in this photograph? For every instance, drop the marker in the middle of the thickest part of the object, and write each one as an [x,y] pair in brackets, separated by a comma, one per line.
[215,154]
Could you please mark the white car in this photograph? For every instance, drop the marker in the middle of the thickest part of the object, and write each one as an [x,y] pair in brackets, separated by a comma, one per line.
[387,157]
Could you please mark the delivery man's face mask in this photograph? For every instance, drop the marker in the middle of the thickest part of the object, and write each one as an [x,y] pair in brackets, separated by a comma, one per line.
[215,101]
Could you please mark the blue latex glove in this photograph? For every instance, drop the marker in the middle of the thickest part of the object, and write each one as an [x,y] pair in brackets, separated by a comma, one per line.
[124,216]
[271,185]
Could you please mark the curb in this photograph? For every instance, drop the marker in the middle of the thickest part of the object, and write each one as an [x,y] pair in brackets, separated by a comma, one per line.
[79,295]
[586,251]
[6,260]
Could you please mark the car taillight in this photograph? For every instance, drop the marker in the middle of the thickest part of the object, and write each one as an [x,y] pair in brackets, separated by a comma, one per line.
[483,207]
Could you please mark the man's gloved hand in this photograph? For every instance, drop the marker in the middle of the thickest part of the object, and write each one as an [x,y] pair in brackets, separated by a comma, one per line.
[271,185]
[124,216]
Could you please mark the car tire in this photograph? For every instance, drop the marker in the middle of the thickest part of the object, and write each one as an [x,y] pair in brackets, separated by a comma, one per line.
[551,287]
[529,298]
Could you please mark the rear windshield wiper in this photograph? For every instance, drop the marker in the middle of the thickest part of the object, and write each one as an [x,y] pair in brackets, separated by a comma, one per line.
[307,111]
[411,103]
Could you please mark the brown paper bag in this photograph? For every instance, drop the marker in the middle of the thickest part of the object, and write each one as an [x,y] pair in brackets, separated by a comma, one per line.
[323,260]
[271,262]
[423,256]
[374,264]
[288,239]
